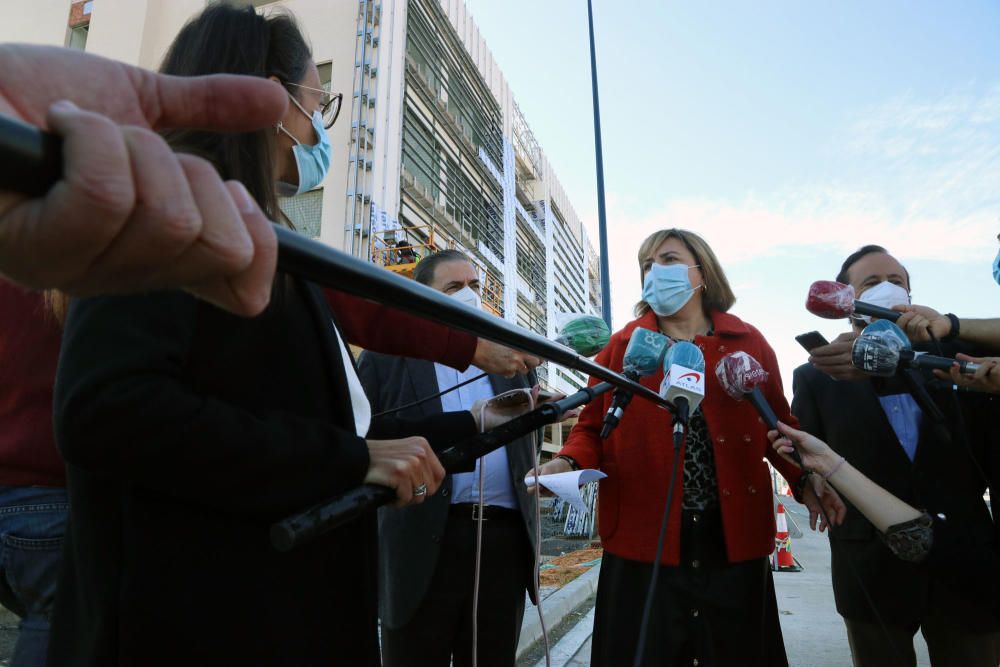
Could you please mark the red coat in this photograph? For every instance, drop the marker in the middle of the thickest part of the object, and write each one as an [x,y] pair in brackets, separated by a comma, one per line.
[637,456]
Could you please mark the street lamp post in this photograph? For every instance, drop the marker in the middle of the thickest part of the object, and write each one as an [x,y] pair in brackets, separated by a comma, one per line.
[602,217]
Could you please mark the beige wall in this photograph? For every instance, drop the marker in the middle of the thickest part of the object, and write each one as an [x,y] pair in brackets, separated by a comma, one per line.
[44,23]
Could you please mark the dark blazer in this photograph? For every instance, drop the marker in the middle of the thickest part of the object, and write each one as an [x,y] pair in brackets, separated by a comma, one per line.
[187,431]
[409,539]
[941,479]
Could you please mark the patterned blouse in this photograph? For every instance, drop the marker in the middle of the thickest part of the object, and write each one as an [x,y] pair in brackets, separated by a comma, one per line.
[701,489]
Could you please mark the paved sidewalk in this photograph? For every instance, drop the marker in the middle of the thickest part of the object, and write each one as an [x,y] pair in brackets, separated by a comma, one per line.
[813,631]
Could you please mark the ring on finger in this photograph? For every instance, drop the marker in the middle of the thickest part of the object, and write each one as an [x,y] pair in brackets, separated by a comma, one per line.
[420,490]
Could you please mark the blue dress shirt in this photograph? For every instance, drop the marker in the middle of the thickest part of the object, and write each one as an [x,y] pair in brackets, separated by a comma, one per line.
[498,488]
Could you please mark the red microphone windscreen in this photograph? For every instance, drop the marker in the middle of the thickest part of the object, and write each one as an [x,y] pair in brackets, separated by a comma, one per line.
[830,299]
[739,373]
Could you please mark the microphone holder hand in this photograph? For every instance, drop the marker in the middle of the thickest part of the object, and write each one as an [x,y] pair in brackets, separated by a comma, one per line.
[323,517]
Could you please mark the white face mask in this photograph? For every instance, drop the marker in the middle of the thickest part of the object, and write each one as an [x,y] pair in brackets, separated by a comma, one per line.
[884,294]
[469,297]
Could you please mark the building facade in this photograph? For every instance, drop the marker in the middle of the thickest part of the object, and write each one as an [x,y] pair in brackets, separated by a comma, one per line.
[431,150]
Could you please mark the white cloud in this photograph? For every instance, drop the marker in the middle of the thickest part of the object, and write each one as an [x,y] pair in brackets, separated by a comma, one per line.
[919,177]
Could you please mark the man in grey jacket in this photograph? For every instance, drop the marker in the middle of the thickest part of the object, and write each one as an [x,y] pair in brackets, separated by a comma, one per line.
[428,551]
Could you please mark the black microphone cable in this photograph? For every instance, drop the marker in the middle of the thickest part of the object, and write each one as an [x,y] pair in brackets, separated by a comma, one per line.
[651,591]
[429,398]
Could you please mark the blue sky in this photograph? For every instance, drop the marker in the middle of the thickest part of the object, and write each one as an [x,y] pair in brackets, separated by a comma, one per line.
[786,133]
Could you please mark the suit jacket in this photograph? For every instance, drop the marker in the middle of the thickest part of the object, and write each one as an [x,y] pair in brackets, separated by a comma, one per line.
[410,538]
[941,479]
[187,431]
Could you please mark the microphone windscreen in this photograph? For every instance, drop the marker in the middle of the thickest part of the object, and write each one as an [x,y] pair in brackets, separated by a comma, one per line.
[887,333]
[584,334]
[685,354]
[830,299]
[739,373]
[875,355]
[645,352]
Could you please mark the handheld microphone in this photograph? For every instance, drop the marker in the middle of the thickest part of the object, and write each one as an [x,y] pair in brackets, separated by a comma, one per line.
[683,381]
[882,349]
[740,376]
[832,300]
[643,356]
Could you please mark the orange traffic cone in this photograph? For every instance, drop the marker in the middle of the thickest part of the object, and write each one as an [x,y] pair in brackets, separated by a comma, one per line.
[783,561]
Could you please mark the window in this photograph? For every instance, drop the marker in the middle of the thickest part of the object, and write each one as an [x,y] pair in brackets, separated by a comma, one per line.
[78,37]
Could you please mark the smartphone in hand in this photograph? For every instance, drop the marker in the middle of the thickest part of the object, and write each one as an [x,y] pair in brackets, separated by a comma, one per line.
[811,340]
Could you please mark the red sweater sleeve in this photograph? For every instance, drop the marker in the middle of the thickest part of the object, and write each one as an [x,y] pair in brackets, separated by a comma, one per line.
[385,329]
[584,443]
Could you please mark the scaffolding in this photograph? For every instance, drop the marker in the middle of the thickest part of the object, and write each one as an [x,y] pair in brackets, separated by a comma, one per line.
[362,151]
[400,250]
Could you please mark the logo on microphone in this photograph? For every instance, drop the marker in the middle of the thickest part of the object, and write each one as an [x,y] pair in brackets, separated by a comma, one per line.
[696,377]
[754,376]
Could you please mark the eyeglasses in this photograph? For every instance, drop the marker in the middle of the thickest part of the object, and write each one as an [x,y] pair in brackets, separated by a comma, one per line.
[329,104]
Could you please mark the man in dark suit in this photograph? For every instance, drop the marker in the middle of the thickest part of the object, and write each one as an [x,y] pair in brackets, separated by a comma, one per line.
[904,433]
[427,553]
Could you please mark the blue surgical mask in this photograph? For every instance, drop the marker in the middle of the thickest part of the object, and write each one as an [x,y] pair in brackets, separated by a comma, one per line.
[667,288]
[996,268]
[313,162]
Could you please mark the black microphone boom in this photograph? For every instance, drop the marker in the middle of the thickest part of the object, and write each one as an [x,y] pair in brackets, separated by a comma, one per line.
[871,310]
[25,149]
[932,362]
[305,526]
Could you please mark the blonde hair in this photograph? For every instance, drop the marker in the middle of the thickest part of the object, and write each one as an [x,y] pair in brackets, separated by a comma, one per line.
[718,294]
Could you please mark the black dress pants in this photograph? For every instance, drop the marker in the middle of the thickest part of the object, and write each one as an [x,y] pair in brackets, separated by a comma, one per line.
[441,629]
[706,612]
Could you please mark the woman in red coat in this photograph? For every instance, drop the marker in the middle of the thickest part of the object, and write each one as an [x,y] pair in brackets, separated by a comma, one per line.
[714,601]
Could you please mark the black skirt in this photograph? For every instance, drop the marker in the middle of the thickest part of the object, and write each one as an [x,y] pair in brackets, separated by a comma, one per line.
[706,611]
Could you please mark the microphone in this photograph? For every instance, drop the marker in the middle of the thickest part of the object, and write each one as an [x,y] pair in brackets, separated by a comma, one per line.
[882,349]
[740,376]
[683,381]
[832,300]
[643,356]
[585,334]
[323,517]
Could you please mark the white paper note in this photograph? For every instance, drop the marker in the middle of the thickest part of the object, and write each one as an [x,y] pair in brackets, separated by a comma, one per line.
[567,485]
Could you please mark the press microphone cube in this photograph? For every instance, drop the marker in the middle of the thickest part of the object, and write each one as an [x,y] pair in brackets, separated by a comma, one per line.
[645,352]
[683,382]
[684,375]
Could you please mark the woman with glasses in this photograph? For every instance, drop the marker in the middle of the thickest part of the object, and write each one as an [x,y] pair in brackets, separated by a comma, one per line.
[188,431]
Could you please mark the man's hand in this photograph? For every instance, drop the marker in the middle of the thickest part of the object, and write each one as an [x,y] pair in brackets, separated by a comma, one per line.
[818,494]
[916,321]
[404,465]
[129,214]
[499,360]
[987,378]
[835,359]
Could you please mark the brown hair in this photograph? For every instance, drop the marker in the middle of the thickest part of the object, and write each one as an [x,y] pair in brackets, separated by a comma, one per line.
[718,294]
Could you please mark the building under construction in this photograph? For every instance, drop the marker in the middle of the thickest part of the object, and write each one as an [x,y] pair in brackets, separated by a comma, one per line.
[430,150]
